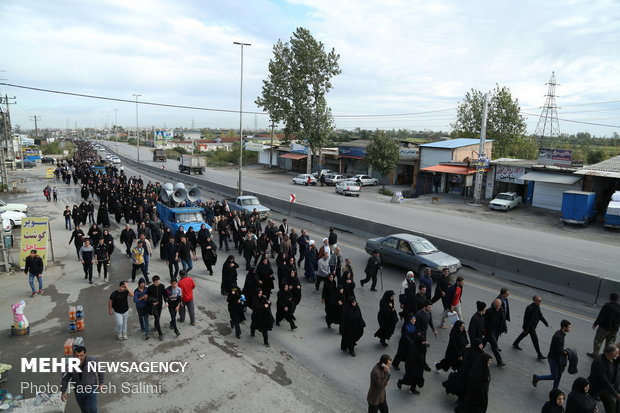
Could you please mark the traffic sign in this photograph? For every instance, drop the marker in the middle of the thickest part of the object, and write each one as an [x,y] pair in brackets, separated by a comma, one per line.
[292,198]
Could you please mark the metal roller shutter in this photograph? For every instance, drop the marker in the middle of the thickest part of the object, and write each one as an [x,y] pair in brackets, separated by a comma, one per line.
[549,196]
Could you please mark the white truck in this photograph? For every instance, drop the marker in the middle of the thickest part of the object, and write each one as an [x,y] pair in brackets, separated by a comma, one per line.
[192,164]
[505,201]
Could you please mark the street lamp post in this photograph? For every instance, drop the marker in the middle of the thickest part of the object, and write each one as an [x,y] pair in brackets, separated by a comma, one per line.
[116,128]
[137,136]
[240,187]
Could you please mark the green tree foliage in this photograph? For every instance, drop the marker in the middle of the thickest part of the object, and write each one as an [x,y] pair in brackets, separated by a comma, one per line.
[382,153]
[294,92]
[505,124]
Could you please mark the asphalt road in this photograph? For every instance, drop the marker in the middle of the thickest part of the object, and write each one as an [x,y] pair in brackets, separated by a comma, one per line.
[304,370]
[570,252]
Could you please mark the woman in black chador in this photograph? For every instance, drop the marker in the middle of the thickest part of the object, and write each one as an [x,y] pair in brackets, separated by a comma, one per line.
[455,352]
[285,307]
[477,395]
[235,310]
[352,326]
[262,319]
[387,317]
[414,366]
[229,275]
[209,255]
[265,274]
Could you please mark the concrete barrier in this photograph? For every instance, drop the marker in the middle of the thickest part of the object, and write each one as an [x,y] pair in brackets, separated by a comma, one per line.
[552,278]
[582,286]
[607,287]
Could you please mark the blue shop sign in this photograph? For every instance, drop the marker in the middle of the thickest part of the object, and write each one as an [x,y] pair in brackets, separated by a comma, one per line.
[352,151]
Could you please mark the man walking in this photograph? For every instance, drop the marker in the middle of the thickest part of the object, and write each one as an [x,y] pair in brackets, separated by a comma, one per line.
[102,258]
[140,298]
[187,285]
[127,237]
[119,308]
[148,251]
[87,255]
[173,297]
[137,262]
[608,321]
[476,323]
[530,321]
[602,379]
[379,378]
[373,266]
[67,214]
[184,254]
[172,257]
[494,326]
[453,299]
[155,295]
[322,271]
[34,268]
[88,381]
[556,352]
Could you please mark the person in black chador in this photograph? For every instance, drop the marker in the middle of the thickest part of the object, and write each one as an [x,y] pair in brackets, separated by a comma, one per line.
[387,317]
[352,326]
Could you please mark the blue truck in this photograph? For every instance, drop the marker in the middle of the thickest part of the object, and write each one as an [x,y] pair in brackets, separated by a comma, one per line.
[185,217]
[578,207]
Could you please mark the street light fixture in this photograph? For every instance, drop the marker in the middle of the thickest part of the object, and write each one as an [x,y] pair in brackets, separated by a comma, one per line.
[137,136]
[240,187]
[116,128]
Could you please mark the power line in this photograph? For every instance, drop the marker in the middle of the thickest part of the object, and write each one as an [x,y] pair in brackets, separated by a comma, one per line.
[579,121]
[58,92]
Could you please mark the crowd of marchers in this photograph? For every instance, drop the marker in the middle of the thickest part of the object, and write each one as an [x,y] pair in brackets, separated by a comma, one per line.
[275,257]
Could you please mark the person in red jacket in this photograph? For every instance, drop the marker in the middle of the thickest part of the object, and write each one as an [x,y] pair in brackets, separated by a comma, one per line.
[187,285]
[453,299]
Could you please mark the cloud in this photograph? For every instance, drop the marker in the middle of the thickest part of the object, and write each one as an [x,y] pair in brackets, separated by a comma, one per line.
[396,56]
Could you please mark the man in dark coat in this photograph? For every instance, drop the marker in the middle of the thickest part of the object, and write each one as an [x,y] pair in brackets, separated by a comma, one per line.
[374,264]
[530,320]
[556,352]
[494,325]
[379,378]
[602,378]
[608,321]
[476,323]
[127,237]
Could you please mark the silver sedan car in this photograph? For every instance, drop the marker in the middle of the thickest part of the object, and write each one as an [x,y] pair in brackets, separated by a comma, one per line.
[413,253]
[348,188]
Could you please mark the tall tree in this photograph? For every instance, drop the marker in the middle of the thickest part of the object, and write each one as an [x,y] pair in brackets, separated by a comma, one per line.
[382,153]
[505,124]
[294,92]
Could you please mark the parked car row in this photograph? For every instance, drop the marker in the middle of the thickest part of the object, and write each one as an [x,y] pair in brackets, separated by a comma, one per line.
[333,178]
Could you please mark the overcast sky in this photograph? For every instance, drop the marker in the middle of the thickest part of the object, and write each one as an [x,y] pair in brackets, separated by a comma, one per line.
[396,57]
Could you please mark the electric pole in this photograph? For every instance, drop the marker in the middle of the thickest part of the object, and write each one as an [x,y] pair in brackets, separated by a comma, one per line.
[6,147]
[273,125]
[36,127]
[548,124]
[481,164]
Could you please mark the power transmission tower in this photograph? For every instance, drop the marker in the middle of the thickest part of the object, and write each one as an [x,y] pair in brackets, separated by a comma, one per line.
[548,125]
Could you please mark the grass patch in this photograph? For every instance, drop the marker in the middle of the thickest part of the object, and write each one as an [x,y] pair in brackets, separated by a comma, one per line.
[387,192]
[57,148]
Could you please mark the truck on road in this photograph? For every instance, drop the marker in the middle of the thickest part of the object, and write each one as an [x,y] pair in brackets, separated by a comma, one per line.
[193,164]
[248,203]
[185,217]
[159,155]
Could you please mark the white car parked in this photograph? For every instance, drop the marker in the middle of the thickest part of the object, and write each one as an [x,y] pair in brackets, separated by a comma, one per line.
[14,217]
[303,180]
[13,207]
[365,180]
[333,179]
[348,188]
[505,201]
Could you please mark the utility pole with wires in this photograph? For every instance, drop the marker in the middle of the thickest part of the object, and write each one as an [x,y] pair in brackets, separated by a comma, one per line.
[548,124]
[36,127]
[273,125]
[6,146]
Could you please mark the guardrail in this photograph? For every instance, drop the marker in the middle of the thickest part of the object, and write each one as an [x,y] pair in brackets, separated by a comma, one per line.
[579,285]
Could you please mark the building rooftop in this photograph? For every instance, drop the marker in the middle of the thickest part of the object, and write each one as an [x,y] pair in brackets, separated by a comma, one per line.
[608,168]
[453,143]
